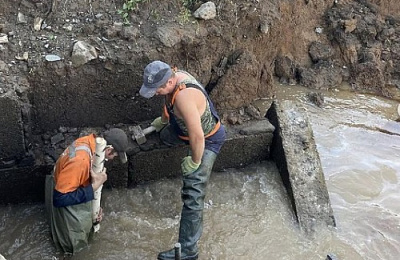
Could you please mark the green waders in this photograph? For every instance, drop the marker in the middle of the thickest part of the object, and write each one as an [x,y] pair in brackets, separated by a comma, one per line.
[70,226]
[193,194]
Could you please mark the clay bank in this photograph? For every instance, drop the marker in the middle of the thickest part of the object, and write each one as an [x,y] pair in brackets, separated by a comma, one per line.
[74,67]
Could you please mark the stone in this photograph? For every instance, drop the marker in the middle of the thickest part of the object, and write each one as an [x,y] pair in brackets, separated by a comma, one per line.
[82,53]
[169,36]
[3,38]
[57,138]
[21,18]
[206,11]
[37,23]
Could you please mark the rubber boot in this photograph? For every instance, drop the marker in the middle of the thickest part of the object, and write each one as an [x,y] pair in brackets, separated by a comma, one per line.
[191,224]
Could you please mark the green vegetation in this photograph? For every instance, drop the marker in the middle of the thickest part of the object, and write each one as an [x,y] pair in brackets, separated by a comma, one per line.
[132,5]
[127,7]
[185,14]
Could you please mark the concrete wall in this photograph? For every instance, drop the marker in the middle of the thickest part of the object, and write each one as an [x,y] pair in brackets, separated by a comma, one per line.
[151,161]
[11,131]
[237,152]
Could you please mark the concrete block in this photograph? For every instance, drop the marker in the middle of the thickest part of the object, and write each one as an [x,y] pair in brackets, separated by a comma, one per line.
[238,151]
[297,158]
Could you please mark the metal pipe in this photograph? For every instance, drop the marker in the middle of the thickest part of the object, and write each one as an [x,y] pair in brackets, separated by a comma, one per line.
[178,251]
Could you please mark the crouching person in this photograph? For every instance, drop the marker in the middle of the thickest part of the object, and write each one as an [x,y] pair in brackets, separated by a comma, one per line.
[70,189]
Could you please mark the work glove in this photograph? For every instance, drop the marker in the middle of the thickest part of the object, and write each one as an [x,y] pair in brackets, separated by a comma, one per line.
[158,124]
[188,165]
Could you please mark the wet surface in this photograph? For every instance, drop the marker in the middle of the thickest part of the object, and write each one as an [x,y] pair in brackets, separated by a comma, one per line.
[247,214]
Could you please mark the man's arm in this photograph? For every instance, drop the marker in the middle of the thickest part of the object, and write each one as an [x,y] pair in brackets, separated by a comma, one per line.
[80,195]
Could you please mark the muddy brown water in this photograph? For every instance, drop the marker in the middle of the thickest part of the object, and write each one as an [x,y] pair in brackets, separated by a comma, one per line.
[247,214]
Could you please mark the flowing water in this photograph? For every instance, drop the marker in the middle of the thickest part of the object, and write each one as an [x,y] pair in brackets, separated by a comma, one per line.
[247,214]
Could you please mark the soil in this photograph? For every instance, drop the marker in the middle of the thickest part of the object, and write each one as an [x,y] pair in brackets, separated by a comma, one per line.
[238,55]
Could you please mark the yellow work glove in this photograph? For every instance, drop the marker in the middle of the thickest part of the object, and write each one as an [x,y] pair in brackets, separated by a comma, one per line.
[188,165]
[158,124]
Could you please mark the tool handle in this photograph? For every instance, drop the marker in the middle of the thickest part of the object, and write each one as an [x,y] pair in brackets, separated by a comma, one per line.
[148,130]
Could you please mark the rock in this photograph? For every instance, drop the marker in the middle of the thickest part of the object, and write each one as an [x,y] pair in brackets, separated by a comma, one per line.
[319,51]
[72,130]
[316,98]
[368,75]
[323,75]
[28,5]
[169,36]
[67,27]
[284,69]
[21,19]
[257,127]
[206,11]
[52,57]
[3,38]
[37,23]
[57,138]
[319,30]
[24,56]
[82,53]
[130,33]
[63,129]
[46,136]
[234,119]
[253,111]
[350,25]
[264,27]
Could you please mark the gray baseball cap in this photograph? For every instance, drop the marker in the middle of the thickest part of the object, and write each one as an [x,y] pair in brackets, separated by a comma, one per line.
[155,75]
[119,140]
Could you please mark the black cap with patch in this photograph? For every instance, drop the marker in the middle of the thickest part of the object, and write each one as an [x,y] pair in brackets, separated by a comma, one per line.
[119,140]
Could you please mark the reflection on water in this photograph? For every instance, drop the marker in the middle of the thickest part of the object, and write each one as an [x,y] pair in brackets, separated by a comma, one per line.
[247,213]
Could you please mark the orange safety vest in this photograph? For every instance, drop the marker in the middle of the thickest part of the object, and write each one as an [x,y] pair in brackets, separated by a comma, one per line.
[72,168]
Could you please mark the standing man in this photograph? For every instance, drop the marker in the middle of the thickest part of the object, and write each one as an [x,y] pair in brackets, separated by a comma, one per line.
[189,117]
[70,190]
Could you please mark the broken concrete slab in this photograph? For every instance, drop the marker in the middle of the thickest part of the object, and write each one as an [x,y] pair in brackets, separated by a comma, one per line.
[297,158]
